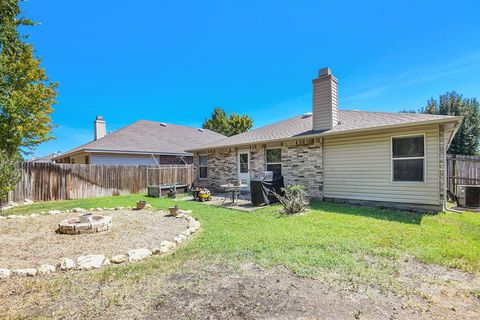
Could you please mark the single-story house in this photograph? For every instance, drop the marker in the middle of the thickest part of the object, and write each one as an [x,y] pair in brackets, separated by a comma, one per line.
[141,143]
[376,158]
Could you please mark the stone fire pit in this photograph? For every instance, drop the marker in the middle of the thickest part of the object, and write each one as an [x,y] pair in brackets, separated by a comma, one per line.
[86,223]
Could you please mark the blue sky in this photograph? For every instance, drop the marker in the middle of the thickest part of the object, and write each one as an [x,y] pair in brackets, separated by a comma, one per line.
[174,61]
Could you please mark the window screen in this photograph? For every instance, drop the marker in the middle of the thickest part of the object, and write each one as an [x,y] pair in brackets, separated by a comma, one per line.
[408,159]
[274,160]
[203,166]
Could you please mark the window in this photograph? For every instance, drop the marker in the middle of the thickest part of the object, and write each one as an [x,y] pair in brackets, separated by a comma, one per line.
[274,160]
[408,159]
[203,166]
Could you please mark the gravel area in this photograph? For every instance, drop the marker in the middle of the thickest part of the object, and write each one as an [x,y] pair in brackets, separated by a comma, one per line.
[28,243]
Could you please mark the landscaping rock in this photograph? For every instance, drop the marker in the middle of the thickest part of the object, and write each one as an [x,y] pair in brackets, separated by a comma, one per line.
[46,269]
[118,258]
[5,273]
[27,201]
[107,262]
[99,209]
[161,250]
[120,208]
[138,254]
[179,238]
[34,215]
[78,210]
[170,245]
[67,264]
[12,216]
[148,206]
[54,212]
[93,261]
[28,272]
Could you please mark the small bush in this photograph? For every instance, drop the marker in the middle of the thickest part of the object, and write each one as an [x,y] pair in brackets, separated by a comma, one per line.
[294,199]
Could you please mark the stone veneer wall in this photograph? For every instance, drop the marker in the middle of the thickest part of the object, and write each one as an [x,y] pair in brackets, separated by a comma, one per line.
[222,168]
[301,164]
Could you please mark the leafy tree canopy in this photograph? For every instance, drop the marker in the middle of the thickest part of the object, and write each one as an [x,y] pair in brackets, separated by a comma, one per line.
[467,139]
[228,125]
[26,93]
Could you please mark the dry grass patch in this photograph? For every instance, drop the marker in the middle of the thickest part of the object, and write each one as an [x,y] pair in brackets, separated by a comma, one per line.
[32,242]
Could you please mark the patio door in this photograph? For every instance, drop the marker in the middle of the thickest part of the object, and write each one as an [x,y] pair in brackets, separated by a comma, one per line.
[243,161]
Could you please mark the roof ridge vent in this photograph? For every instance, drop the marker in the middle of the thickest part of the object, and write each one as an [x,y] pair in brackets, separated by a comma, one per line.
[163,124]
[307,114]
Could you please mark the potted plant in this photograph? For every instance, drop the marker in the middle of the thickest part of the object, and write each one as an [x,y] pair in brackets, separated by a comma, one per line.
[173,211]
[141,204]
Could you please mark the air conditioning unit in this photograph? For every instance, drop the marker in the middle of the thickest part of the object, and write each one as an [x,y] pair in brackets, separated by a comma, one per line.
[468,196]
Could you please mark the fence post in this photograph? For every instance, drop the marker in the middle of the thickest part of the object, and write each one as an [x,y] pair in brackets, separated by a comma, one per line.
[454,180]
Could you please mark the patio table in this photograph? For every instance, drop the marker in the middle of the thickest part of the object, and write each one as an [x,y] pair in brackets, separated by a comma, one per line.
[234,190]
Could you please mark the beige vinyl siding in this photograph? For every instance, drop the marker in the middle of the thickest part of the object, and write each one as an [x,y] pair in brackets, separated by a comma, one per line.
[123,159]
[325,107]
[359,167]
[78,159]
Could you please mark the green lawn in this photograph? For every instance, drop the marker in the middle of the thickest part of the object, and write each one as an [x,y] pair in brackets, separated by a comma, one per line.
[351,242]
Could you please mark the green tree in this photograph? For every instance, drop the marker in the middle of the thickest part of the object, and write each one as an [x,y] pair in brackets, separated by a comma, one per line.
[9,175]
[466,141]
[239,124]
[228,125]
[218,122]
[26,93]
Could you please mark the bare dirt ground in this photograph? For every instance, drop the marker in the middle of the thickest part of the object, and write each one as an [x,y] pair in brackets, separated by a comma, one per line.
[199,290]
[216,292]
[28,243]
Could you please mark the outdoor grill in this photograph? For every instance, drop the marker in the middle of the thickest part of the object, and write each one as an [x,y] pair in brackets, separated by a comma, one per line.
[263,187]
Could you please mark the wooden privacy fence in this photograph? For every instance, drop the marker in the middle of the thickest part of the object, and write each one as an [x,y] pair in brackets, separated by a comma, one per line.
[49,181]
[462,170]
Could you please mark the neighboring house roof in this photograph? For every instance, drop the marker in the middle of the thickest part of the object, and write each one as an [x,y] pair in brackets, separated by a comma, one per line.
[149,137]
[45,159]
[349,121]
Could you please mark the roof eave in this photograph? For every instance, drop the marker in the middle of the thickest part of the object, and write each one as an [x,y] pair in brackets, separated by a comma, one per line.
[325,134]
[69,154]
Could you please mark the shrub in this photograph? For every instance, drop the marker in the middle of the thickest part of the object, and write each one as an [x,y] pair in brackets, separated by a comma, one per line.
[294,199]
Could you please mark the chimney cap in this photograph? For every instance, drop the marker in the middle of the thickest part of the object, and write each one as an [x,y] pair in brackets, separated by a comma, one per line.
[324,72]
[99,117]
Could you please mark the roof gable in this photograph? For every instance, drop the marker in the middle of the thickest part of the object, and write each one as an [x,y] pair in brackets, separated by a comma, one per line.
[151,137]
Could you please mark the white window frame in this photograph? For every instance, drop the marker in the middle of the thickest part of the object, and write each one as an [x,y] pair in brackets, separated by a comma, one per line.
[266,158]
[202,166]
[392,159]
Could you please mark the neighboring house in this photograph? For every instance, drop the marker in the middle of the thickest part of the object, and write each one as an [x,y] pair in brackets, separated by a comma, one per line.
[45,159]
[379,158]
[141,143]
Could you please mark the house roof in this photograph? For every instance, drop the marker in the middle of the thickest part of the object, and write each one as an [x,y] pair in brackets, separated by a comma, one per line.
[349,121]
[150,137]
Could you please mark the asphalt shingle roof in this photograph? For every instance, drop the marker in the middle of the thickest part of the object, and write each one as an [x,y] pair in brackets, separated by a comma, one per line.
[302,126]
[151,137]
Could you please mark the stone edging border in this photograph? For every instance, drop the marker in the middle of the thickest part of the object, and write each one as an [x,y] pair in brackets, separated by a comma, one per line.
[97,261]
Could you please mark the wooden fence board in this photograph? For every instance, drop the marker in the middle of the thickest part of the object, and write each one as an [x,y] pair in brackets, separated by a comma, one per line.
[48,181]
[462,170]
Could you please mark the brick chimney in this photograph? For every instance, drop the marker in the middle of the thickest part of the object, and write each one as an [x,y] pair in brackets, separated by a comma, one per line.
[325,104]
[99,128]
